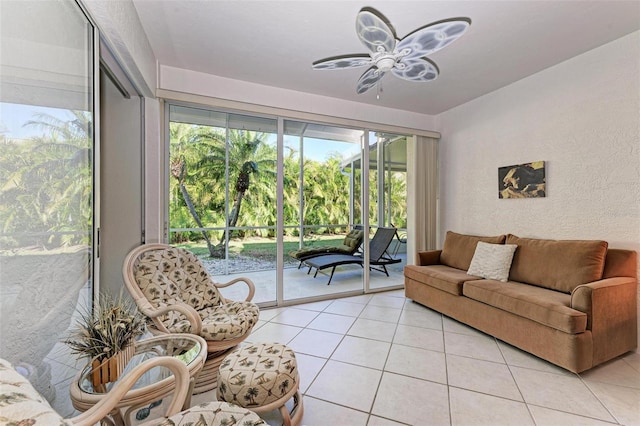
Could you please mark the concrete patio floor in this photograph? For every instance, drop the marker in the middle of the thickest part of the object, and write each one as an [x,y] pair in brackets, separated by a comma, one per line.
[300,285]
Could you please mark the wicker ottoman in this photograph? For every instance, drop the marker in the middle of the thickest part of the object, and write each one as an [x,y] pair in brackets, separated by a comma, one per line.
[262,377]
[211,414]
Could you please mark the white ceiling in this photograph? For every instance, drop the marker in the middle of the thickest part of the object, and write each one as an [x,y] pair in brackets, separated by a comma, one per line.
[274,43]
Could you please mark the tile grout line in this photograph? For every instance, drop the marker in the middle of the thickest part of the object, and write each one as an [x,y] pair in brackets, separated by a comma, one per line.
[375,395]
[598,399]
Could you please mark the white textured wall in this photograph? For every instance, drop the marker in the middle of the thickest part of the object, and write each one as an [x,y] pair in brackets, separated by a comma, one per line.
[121,29]
[583,118]
[186,81]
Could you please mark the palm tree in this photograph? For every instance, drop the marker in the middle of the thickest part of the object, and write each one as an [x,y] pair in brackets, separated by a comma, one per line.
[284,386]
[46,180]
[199,159]
[246,154]
[250,396]
[178,171]
[189,145]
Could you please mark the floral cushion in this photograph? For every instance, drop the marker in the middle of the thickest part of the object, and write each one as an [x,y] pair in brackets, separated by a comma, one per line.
[20,403]
[257,375]
[349,245]
[211,414]
[228,321]
[173,275]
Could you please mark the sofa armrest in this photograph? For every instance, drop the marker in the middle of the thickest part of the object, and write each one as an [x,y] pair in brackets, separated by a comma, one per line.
[431,257]
[611,308]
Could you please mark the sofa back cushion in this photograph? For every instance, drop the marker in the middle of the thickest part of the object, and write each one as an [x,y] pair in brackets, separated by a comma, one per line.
[458,249]
[560,265]
[620,263]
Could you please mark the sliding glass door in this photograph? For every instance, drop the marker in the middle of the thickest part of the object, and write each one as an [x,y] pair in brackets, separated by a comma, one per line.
[222,202]
[322,192]
[246,204]
[388,205]
[47,210]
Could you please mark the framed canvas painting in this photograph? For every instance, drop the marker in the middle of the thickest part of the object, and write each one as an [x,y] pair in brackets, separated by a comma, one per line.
[522,181]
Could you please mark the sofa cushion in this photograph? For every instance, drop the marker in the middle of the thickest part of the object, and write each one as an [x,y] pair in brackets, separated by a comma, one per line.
[560,265]
[541,305]
[442,277]
[492,261]
[458,249]
[349,245]
[620,263]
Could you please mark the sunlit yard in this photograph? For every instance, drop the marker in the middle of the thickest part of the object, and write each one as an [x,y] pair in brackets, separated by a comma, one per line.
[264,248]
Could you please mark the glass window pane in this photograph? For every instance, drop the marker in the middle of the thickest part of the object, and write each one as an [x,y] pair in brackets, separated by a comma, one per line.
[388,198]
[223,193]
[323,204]
[46,170]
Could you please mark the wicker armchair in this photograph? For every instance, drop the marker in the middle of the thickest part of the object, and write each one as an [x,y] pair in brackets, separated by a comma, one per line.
[171,286]
[22,404]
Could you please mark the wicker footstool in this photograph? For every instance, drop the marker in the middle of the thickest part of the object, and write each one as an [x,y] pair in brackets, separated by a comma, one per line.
[211,414]
[262,377]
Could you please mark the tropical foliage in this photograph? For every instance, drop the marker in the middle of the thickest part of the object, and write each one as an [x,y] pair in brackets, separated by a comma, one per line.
[200,156]
[46,184]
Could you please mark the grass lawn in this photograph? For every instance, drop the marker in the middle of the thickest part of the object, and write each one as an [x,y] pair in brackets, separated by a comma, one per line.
[263,248]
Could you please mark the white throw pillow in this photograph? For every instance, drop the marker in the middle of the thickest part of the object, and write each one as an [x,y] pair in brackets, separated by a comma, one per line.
[492,261]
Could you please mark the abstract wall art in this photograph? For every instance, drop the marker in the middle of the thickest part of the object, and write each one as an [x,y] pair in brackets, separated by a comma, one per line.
[522,181]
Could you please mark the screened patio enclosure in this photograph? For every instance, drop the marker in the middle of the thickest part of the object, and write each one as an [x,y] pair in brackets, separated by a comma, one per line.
[244,190]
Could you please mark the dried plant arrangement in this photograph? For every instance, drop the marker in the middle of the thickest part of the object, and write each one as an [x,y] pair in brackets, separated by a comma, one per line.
[106,333]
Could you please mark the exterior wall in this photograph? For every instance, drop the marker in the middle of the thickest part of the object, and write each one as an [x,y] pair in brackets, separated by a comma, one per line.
[583,118]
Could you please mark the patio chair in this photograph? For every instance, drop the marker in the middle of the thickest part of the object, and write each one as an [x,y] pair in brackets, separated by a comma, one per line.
[378,255]
[401,239]
[349,246]
[174,290]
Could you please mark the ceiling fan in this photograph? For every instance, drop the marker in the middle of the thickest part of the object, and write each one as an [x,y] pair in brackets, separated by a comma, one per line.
[404,58]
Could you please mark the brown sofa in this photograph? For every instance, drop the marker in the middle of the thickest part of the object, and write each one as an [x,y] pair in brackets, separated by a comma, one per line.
[570,302]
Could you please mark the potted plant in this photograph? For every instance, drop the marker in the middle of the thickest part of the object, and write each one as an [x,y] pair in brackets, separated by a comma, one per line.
[105,336]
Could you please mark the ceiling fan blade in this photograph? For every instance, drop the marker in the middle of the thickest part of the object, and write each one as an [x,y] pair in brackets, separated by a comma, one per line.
[369,79]
[342,62]
[432,37]
[416,70]
[374,32]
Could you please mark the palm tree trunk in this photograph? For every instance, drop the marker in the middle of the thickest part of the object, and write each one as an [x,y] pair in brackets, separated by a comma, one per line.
[233,217]
[192,210]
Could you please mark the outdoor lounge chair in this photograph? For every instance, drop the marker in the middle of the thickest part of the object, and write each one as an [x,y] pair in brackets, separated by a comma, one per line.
[349,246]
[378,255]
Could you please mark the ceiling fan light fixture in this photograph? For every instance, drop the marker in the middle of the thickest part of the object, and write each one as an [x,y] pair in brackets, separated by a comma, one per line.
[385,63]
[405,58]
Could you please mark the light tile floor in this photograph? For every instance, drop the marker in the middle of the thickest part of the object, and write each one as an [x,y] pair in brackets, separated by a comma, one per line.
[382,359]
